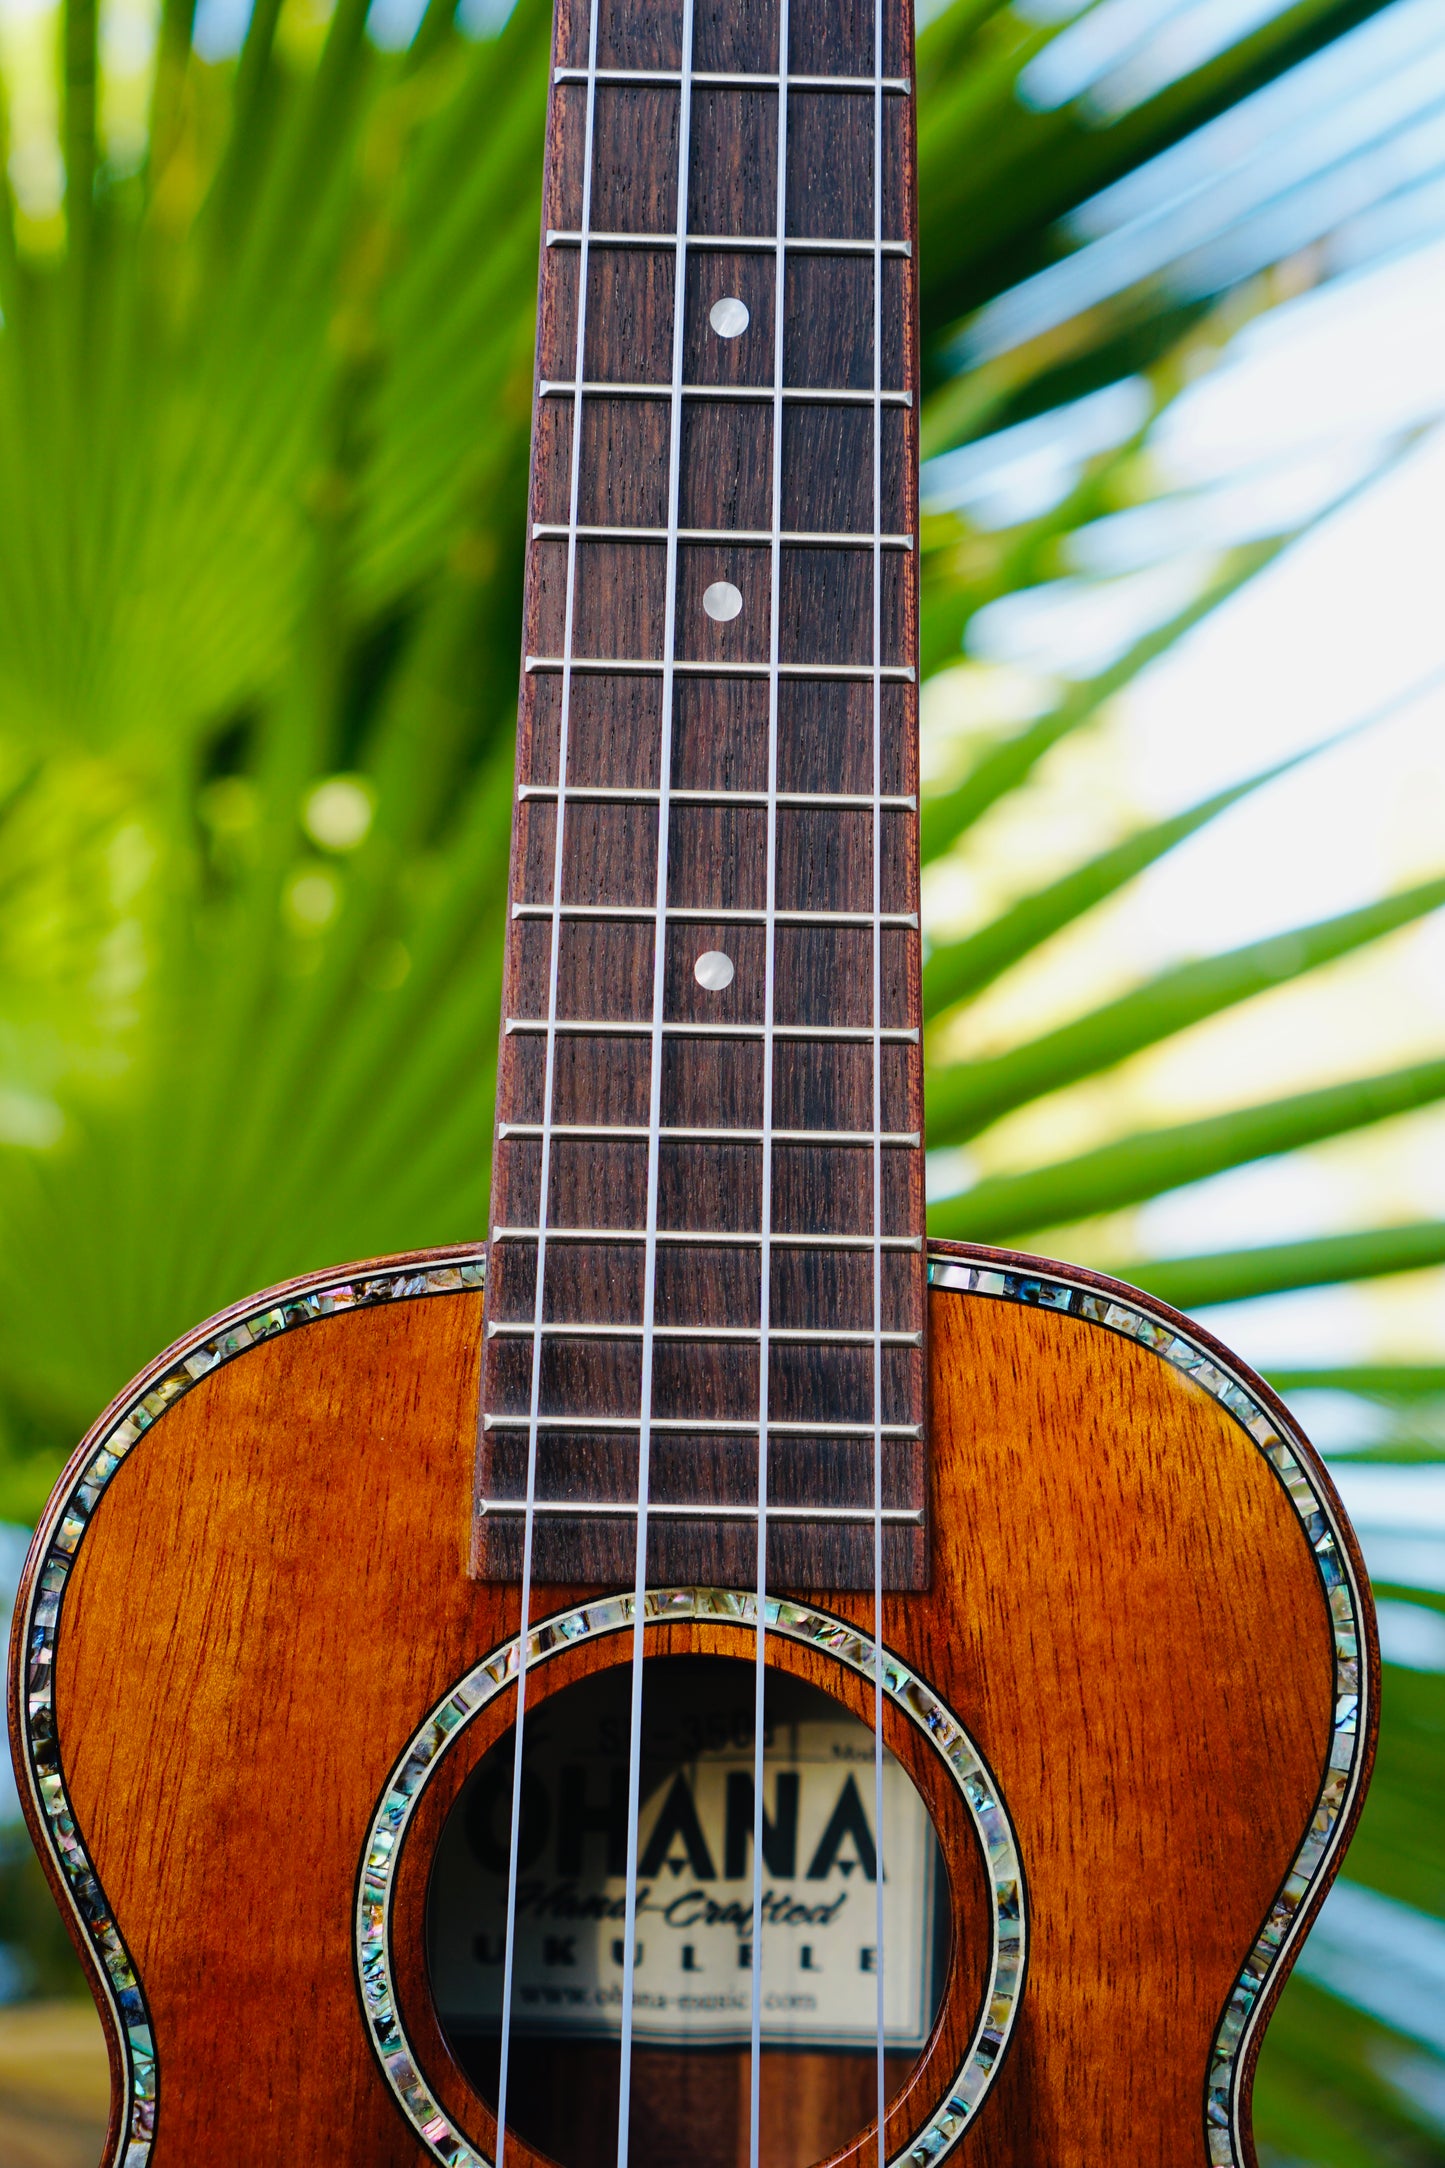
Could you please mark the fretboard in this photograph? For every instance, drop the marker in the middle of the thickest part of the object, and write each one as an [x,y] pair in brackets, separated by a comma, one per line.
[705,1297]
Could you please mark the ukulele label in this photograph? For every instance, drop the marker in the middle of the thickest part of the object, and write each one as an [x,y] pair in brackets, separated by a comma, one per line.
[694,1947]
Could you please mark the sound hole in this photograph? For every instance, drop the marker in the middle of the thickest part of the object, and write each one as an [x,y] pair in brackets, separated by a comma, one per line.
[695,1954]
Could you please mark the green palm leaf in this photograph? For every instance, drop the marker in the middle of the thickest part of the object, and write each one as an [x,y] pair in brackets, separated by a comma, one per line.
[947,815]
[957,969]
[1278,1267]
[965,1099]
[1150,1161]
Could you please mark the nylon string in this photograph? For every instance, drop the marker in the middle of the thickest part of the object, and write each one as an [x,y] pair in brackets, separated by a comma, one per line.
[878,1051]
[654,1112]
[529,1517]
[755,2017]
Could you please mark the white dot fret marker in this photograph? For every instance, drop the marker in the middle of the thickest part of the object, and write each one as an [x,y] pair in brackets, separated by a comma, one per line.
[713,970]
[722,600]
[729,317]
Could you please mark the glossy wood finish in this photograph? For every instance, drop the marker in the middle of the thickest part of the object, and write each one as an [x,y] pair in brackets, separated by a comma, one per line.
[754,786]
[696,2107]
[273,1591]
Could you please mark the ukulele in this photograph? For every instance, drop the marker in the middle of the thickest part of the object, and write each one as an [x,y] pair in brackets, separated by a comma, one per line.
[709,1676]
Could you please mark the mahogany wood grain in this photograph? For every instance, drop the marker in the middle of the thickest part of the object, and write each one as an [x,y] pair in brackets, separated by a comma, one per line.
[274,1590]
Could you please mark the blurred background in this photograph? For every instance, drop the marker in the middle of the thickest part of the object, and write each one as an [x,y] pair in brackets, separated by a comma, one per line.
[267,278]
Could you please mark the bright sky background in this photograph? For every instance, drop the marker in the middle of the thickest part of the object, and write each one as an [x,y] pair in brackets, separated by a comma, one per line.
[1348,625]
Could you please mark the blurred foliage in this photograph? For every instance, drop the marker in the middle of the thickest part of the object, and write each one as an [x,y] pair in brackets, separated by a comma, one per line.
[31,1925]
[1335,2086]
[1398,1847]
[1324,2091]
[265,387]
[264,404]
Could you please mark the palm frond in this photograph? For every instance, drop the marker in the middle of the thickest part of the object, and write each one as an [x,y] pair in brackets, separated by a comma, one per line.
[965,1098]
[1143,1165]
[1276,1268]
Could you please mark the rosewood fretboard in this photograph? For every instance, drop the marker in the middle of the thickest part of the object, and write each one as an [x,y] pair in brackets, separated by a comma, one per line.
[708,1188]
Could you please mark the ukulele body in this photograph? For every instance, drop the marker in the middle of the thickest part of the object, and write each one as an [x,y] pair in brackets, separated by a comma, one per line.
[250,1591]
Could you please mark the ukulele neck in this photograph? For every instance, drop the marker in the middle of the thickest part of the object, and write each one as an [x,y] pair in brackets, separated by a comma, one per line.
[705,1301]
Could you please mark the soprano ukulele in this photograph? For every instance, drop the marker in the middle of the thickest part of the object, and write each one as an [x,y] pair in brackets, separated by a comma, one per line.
[945,1680]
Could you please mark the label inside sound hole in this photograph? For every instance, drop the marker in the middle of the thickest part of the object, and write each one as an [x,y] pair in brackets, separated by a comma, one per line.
[695,1950]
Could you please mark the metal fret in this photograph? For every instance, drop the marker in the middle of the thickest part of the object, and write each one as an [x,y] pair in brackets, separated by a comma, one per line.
[707,1238]
[830,537]
[639,666]
[794,1335]
[712,1425]
[703,915]
[702,1509]
[605,1026]
[604,1131]
[607,793]
[726,79]
[570,237]
[755,394]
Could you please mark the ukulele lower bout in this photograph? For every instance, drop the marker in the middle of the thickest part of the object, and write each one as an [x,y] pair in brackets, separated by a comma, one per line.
[253,1683]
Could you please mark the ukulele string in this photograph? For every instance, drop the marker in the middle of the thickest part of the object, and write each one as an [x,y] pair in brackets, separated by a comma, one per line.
[755,2015]
[654,1116]
[529,1514]
[878,6]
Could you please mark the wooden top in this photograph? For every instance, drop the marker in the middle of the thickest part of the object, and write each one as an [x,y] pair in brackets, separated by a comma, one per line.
[1128,1614]
[708,1190]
